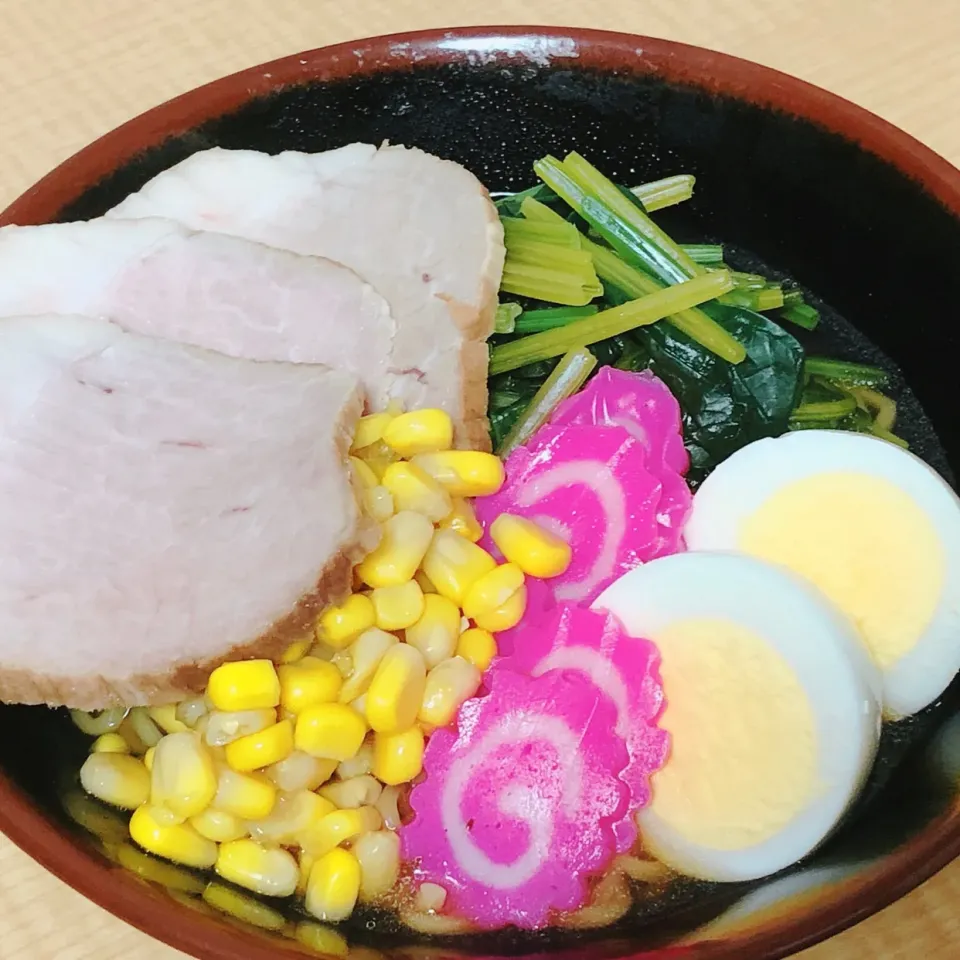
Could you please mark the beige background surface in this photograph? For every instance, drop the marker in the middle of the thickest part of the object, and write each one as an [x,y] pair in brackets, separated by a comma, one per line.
[72,69]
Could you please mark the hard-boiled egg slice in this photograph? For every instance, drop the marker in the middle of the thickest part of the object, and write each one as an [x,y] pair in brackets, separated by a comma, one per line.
[772,710]
[871,525]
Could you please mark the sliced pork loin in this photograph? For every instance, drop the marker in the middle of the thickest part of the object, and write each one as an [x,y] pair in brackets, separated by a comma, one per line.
[241,298]
[162,508]
[421,230]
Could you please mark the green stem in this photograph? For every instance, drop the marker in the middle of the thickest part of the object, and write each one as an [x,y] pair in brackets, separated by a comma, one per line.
[706,254]
[608,323]
[824,410]
[519,230]
[803,315]
[506,317]
[567,378]
[535,321]
[666,192]
[842,371]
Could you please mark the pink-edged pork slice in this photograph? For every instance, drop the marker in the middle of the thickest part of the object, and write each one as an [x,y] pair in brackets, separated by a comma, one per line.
[235,296]
[162,508]
[421,230]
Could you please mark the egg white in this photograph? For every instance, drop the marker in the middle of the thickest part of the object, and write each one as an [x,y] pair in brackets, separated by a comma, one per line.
[821,648]
[741,484]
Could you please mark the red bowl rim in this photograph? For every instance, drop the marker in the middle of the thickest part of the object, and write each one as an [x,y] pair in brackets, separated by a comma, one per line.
[75,861]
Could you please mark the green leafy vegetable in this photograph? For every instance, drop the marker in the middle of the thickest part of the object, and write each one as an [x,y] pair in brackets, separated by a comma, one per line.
[845,372]
[506,317]
[534,321]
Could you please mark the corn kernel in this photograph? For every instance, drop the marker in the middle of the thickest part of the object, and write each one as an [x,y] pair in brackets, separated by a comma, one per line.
[362,662]
[388,806]
[430,897]
[363,476]
[117,779]
[182,778]
[497,600]
[414,489]
[244,908]
[150,868]
[419,431]
[300,771]
[148,758]
[357,765]
[271,873]
[398,757]
[192,710]
[308,682]
[399,606]
[338,827]
[224,727]
[306,862]
[454,564]
[377,502]
[245,795]
[244,685]
[435,633]
[177,842]
[334,886]
[463,473]
[404,540]
[396,690]
[218,825]
[297,650]
[321,939]
[261,749]
[478,647]
[426,584]
[448,685]
[294,813]
[370,429]
[330,731]
[536,551]
[361,791]
[110,743]
[462,520]
[165,718]
[378,853]
[141,726]
[339,626]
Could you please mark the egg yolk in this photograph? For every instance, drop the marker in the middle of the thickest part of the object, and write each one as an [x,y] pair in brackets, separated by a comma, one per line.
[743,759]
[866,544]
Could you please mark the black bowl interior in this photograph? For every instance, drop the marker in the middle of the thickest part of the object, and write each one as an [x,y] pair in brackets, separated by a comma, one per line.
[874,248]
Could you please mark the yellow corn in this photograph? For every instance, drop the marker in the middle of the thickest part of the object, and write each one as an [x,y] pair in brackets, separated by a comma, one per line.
[362,662]
[454,564]
[398,757]
[271,873]
[142,727]
[536,551]
[377,502]
[178,842]
[394,695]
[358,765]
[339,626]
[165,718]
[239,905]
[370,429]
[110,743]
[378,853]
[462,520]
[403,542]
[218,825]
[435,633]
[148,758]
[430,897]
[165,874]
[330,731]
[117,779]
[293,814]
[334,886]
[308,682]
[261,749]
[388,806]
[322,940]
[297,650]
[448,685]
[478,646]
[361,791]
[306,862]
[426,585]
[463,473]
[414,489]
[182,777]
[300,771]
[363,476]
[244,795]
[419,431]
[224,727]
[192,710]
[497,600]
[399,606]
[245,685]
[331,830]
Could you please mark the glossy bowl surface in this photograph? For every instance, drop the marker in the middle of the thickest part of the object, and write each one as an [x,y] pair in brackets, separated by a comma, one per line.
[789,175]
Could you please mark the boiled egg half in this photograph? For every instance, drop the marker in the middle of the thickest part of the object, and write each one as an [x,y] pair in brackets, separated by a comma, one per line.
[870,525]
[772,711]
